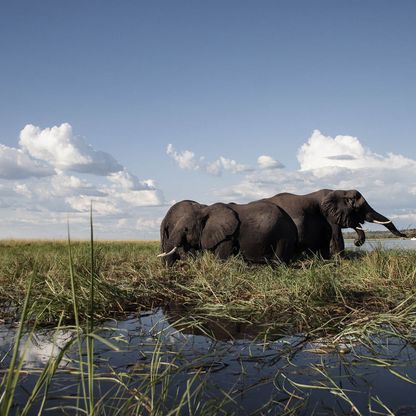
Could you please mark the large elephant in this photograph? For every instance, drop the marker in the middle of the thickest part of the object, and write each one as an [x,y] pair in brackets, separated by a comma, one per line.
[260,231]
[320,216]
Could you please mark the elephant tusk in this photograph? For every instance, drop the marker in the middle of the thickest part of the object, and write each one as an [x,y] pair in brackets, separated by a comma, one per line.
[382,222]
[359,228]
[168,254]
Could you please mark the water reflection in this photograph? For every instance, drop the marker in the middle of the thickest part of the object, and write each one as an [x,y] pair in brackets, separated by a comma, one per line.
[286,373]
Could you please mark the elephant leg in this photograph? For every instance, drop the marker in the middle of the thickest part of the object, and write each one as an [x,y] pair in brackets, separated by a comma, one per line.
[325,252]
[225,249]
[284,251]
[337,240]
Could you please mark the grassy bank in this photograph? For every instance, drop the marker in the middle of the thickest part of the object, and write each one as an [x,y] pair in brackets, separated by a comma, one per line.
[354,295]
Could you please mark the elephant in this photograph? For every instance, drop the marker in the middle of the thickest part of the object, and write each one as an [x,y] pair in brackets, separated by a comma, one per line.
[260,231]
[320,216]
[181,216]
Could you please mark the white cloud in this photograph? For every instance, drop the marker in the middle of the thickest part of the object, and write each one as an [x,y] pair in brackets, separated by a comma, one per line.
[187,160]
[44,181]
[232,165]
[61,149]
[16,164]
[267,162]
[322,152]
[129,181]
[148,224]
[82,203]
[68,185]
[139,198]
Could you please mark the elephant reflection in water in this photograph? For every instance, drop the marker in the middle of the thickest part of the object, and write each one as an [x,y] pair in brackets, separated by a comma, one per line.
[320,216]
[260,231]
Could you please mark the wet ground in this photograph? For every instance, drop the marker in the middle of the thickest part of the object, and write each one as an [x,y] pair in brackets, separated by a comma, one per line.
[290,373]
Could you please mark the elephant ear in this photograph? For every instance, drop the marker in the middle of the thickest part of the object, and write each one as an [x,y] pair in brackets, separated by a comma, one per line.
[340,207]
[221,223]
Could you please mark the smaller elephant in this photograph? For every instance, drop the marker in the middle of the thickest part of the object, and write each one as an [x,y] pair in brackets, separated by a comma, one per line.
[260,231]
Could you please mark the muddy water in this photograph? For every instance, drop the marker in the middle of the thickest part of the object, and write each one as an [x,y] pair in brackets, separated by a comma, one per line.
[287,373]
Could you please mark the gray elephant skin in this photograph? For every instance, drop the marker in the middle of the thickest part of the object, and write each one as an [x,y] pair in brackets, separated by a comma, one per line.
[260,231]
[320,216]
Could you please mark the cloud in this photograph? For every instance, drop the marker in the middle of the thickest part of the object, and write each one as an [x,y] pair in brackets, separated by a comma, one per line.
[187,160]
[148,224]
[45,180]
[322,151]
[101,206]
[184,159]
[62,150]
[16,164]
[129,181]
[223,164]
[267,162]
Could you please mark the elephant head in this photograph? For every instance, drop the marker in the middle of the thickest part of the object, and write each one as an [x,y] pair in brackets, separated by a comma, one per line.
[202,227]
[349,209]
[182,237]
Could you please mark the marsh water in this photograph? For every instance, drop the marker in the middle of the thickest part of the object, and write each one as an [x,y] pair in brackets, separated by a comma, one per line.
[388,243]
[313,377]
[241,372]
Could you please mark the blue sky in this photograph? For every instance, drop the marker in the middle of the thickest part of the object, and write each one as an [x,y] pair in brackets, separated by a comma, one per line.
[233,80]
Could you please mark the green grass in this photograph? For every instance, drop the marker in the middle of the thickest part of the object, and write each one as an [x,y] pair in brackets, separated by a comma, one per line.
[310,295]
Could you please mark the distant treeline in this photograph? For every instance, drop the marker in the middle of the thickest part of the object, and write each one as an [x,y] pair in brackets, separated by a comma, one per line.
[410,232]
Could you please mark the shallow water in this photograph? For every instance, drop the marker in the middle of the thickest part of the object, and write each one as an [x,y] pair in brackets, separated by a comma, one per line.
[388,243]
[269,376]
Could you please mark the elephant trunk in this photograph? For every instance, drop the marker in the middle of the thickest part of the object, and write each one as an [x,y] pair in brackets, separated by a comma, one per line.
[375,217]
[360,240]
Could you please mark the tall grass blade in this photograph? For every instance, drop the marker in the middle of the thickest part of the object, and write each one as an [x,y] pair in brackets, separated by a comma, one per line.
[13,373]
[76,318]
[90,340]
